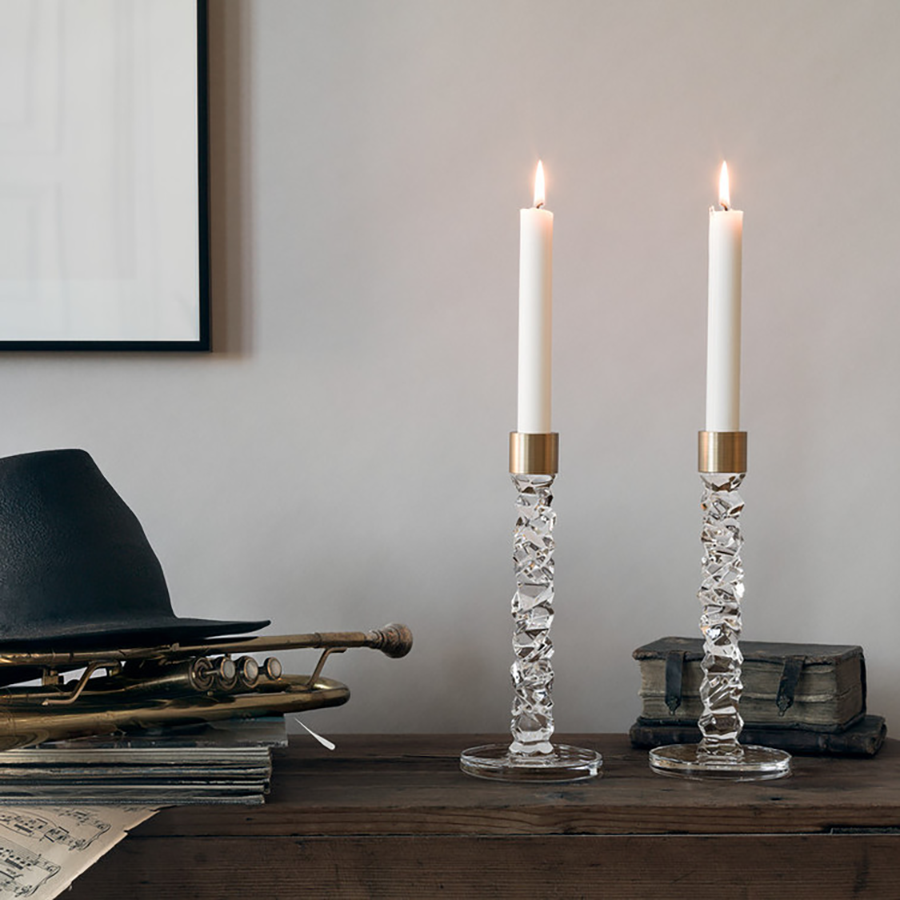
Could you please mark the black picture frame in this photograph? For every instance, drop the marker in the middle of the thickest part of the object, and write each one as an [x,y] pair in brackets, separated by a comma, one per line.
[201,339]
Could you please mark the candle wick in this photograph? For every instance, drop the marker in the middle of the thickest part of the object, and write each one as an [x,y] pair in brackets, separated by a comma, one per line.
[539,205]
[723,205]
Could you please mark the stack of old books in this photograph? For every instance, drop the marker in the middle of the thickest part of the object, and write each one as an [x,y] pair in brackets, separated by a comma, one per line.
[217,762]
[803,698]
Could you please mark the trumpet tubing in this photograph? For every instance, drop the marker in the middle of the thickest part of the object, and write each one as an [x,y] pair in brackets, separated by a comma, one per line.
[146,686]
[23,724]
[393,640]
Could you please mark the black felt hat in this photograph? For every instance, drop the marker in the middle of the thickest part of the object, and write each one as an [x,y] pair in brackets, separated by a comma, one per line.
[76,568]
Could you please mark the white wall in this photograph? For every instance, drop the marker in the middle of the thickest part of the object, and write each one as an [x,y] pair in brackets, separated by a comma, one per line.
[340,459]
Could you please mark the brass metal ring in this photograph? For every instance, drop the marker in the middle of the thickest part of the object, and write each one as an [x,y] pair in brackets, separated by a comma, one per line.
[722,451]
[533,454]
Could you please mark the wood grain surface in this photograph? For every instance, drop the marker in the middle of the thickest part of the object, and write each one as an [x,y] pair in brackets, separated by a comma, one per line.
[392,816]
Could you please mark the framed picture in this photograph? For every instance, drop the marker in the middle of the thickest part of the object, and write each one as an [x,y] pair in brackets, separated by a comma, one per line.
[104,223]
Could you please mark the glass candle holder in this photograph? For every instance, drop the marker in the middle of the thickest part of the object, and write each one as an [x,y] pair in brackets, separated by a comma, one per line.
[531,755]
[719,754]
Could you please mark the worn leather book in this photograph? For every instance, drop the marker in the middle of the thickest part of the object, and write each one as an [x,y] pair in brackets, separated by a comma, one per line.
[821,687]
[864,738]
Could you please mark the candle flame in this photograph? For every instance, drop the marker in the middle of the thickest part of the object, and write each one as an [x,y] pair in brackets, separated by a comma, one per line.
[724,192]
[539,193]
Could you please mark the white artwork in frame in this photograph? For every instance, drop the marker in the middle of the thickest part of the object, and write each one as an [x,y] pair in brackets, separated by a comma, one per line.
[103,175]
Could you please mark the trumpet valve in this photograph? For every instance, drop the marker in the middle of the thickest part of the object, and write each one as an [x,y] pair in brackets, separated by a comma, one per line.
[226,674]
[201,674]
[272,668]
[248,671]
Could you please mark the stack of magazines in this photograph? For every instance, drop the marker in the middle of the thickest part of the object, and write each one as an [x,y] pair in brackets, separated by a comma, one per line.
[221,762]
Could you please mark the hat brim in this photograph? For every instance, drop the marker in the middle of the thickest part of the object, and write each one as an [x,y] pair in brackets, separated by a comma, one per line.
[133,632]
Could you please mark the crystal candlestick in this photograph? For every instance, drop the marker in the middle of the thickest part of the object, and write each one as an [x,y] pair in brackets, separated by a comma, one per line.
[723,464]
[531,756]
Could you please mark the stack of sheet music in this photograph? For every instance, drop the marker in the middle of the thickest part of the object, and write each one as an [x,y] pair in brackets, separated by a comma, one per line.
[222,762]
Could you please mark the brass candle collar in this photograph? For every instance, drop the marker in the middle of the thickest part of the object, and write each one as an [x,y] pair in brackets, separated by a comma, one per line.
[722,451]
[533,454]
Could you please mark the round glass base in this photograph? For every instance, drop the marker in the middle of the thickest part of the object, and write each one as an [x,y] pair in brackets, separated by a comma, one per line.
[754,763]
[565,763]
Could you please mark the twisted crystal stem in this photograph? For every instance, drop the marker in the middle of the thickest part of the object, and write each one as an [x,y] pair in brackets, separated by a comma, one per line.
[719,755]
[532,609]
[721,590]
[530,756]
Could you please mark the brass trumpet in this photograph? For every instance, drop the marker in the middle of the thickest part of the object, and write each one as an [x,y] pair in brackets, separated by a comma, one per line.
[139,687]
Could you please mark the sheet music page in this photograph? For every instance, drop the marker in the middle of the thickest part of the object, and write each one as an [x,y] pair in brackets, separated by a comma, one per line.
[44,849]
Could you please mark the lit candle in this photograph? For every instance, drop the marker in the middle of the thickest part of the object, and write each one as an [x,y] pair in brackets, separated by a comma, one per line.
[535,312]
[723,349]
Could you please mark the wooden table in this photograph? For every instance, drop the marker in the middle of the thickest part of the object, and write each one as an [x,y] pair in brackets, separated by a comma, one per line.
[392,816]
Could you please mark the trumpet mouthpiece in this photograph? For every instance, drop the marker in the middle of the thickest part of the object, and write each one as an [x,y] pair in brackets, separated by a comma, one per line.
[393,640]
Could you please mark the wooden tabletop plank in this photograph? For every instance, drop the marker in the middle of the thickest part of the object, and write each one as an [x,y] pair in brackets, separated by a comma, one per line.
[411,784]
[623,867]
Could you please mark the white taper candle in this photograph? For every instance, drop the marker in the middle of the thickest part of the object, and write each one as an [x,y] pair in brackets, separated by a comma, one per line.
[535,313]
[723,349]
